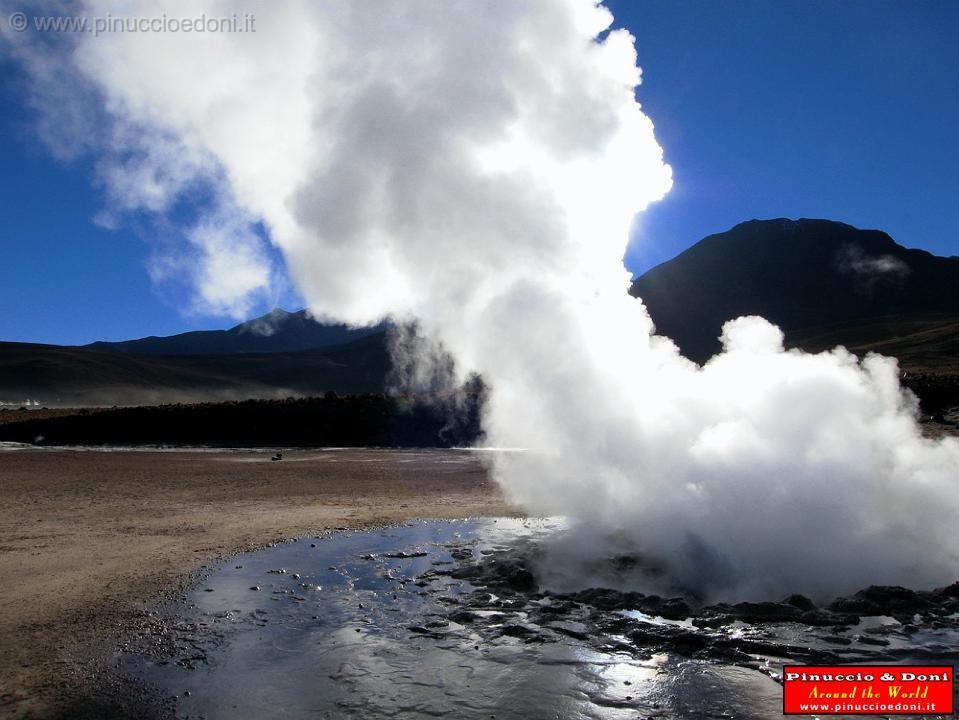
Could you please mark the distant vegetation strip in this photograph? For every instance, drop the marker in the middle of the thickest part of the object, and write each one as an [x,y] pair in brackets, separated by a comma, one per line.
[331,420]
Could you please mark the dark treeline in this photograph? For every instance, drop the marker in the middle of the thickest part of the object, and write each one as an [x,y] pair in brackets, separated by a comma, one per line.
[331,420]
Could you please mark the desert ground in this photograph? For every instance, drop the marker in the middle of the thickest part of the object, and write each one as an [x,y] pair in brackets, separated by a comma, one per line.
[90,541]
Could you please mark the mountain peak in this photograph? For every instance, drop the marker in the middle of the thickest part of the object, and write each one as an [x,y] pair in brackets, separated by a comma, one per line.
[277,331]
[796,273]
[268,324]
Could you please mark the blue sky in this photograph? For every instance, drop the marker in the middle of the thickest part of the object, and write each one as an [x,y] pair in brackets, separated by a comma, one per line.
[843,110]
[846,110]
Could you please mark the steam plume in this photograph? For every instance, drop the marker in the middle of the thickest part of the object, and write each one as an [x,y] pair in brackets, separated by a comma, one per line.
[476,167]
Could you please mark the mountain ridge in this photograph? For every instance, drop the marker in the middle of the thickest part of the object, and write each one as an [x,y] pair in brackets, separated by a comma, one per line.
[824,283]
[63,375]
[276,331]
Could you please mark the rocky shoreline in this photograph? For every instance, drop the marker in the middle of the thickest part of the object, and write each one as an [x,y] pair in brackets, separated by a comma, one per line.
[423,619]
[508,586]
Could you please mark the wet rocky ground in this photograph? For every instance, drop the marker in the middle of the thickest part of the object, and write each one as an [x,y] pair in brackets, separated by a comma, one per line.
[451,619]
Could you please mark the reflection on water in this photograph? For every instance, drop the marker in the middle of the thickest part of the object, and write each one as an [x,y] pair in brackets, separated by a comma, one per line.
[375,625]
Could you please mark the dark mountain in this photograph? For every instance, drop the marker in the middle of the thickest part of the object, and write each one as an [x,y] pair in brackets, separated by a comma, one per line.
[56,375]
[923,342]
[822,282]
[277,331]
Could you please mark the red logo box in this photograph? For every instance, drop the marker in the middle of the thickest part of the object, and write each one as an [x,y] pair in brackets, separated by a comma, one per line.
[868,689]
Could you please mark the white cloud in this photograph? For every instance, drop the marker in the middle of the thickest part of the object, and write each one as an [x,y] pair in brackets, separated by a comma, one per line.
[868,270]
[142,162]
[223,264]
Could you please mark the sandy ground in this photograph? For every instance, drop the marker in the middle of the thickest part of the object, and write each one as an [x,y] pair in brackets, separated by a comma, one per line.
[90,540]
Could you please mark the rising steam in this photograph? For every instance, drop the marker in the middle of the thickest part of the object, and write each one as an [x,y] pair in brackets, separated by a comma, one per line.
[476,167]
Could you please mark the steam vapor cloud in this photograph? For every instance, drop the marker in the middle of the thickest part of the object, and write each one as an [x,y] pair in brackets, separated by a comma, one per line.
[477,168]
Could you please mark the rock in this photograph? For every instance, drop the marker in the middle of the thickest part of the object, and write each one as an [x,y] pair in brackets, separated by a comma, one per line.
[463,617]
[800,601]
[467,572]
[722,614]
[576,630]
[612,624]
[753,612]
[671,608]
[514,604]
[837,640]
[481,599]
[868,640]
[671,638]
[607,599]
[561,608]
[712,621]
[884,600]
[767,647]
[255,587]
[949,590]
[517,630]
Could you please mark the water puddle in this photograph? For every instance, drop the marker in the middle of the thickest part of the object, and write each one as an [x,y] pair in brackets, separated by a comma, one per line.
[443,619]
